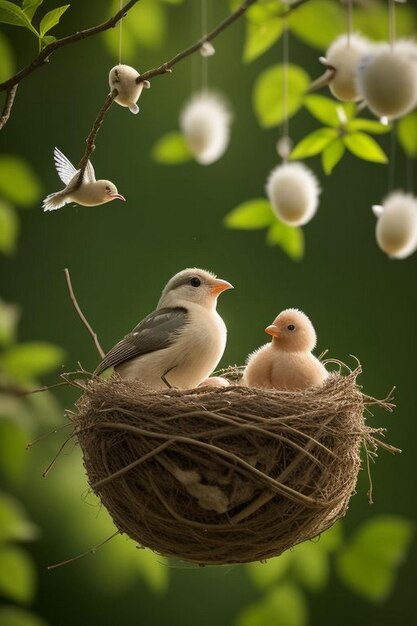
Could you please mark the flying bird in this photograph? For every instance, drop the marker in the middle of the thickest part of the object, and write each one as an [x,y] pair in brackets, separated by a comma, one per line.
[90,192]
[181,342]
[286,363]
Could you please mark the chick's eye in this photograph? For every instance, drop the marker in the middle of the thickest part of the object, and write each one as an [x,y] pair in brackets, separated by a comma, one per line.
[107,188]
[291,327]
[195,282]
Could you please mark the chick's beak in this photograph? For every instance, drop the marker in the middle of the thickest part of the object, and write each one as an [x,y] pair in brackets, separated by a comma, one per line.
[272,330]
[219,285]
[113,196]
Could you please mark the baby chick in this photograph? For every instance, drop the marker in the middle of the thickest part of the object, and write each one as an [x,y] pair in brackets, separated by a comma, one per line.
[286,363]
[91,192]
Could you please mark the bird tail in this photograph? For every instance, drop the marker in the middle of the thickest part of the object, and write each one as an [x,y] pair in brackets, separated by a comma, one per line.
[54,201]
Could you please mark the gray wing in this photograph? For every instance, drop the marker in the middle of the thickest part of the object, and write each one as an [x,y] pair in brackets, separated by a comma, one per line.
[89,174]
[156,332]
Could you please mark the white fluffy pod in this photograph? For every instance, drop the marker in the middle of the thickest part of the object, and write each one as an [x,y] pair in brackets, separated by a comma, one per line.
[343,57]
[387,79]
[123,78]
[205,122]
[396,229]
[293,191]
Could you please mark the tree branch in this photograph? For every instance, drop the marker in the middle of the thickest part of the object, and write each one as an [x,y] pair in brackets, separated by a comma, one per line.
[8,103]
[81,314]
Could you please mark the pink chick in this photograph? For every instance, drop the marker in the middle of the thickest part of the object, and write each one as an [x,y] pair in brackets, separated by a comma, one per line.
[286,363]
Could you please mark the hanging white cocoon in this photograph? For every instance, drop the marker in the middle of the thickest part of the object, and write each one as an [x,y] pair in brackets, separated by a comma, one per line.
[123,78]
[342,59]
[396,228]
[205,122]
[293,191]
[387,79]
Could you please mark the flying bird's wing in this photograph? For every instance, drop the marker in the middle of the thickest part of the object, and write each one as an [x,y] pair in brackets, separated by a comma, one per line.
[156,332]
[89,174]
[64,167]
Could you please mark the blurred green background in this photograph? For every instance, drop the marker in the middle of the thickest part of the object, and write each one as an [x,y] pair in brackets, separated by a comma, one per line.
[120,256]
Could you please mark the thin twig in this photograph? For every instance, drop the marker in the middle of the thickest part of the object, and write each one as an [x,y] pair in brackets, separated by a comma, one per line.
[8,104]
[81,314]
[81,556]
[14,390]
[90,141]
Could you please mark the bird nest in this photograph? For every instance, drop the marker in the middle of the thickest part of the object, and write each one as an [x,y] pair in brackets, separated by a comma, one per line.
[224,475]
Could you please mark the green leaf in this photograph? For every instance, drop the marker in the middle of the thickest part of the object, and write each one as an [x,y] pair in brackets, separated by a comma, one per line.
[17,574]
[17,181]
[407,134]
[327,110]
[27,361]
[268,93]
[260,37]
[311,565]
[318,22]
[314,143]
[369,563]
[12,14]
[13,453]
[364,147]
[370,126]
[171,149]
[7,65]
[14,524]
[332,154]
[289,238]
[30,6]
[14,616]
[9,228]
[146,28]
[285,606]
[250,215]
[9,316]
[266,574]
[47,40]
[51,19]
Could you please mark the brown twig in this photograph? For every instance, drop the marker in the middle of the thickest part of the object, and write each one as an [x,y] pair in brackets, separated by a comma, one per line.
[14,390]
[90,141]
[81,314]
[81,556]
[8,104]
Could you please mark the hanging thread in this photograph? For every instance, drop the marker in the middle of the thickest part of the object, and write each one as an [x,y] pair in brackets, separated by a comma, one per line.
[120,33]
[204,62]
[391,23]
[349,22]
[284,144]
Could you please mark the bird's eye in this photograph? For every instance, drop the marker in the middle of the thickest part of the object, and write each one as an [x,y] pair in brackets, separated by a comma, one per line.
[195,282]
[107,189]
[291,327]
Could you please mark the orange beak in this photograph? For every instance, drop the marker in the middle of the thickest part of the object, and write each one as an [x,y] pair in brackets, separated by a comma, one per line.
[272,330]
[113,196]
[220,285]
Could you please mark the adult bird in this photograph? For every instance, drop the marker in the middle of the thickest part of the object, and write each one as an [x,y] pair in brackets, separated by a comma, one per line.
[286,363]
[90,192]
[181,342]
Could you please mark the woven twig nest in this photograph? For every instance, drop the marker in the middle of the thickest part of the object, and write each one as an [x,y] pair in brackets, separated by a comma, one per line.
[223,475]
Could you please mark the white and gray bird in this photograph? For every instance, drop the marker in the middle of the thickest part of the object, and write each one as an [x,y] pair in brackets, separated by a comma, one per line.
[90,192]
[181,342]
